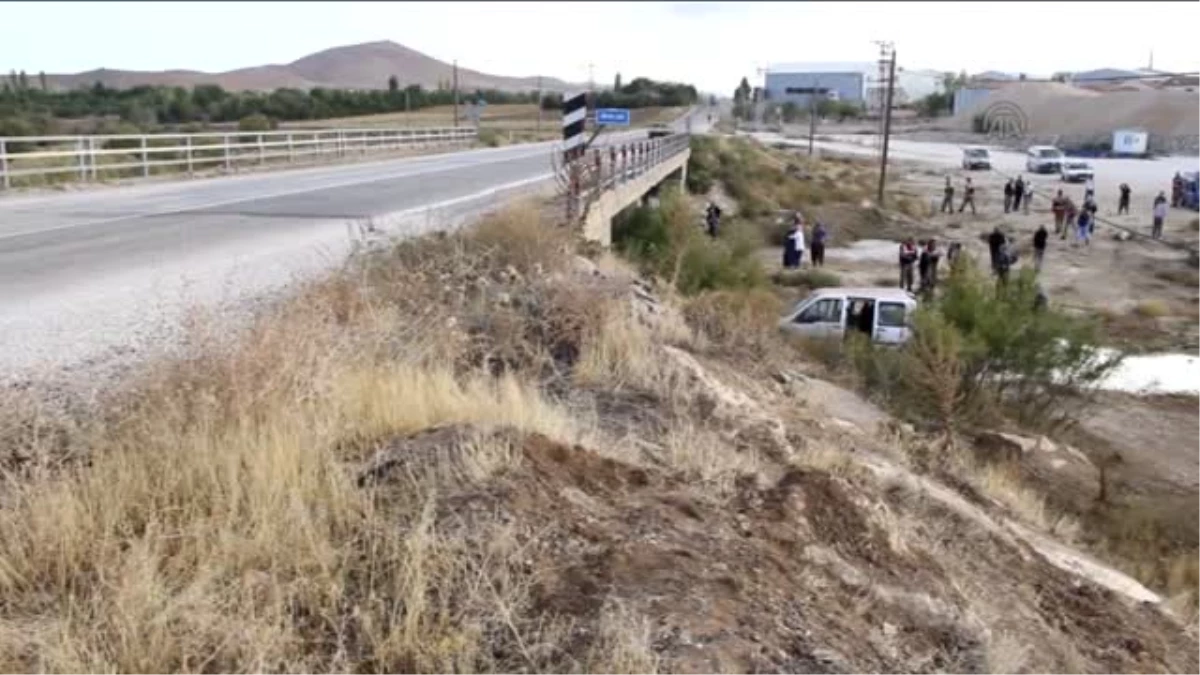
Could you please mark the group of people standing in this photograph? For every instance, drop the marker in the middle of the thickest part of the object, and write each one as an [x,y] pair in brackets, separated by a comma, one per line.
[1016,193]
[794,244]
[948,197]
[1070,217]
[924,256]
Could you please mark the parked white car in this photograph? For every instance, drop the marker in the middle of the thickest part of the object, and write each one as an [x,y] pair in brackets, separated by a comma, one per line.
[1075,171]
[1044,159]
[882,313]
[976,157]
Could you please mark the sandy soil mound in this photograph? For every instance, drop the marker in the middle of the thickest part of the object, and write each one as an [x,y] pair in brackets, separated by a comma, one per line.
[1054,108]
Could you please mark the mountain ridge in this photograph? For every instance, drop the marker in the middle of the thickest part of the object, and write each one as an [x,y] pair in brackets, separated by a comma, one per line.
[366,65]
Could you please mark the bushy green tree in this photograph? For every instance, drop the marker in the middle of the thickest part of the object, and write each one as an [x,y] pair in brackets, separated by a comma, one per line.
[983,346]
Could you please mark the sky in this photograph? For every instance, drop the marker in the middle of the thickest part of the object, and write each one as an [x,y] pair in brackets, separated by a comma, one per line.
[709,44]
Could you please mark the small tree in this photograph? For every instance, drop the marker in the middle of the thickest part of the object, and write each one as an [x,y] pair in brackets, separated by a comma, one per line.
[256,122]
[393,84]
[790,112]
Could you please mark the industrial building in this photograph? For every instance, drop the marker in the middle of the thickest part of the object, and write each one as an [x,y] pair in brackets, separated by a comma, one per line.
[860,83]
[799,82]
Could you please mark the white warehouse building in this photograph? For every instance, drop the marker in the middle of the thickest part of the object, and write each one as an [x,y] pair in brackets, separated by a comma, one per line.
[855,82]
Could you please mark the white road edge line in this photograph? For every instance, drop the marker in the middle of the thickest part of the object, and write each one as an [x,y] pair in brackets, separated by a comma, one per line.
[390,219]
[284,193]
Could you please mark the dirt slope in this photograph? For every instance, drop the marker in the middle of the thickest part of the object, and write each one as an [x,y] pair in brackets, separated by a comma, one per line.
[1054,108]
[361,66]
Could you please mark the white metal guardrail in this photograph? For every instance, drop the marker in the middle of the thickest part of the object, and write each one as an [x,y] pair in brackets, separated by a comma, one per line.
[86,158]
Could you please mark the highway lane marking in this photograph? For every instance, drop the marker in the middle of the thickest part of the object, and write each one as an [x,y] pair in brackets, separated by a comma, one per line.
[197,263]
[241,200]
[390,218]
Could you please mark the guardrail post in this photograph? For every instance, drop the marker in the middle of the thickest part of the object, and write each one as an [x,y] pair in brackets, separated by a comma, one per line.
[81,159]
[189,155]
[226,144]
[4,163]
[341,144]
[261,150]
[291,149]
[92,158]
[145,159]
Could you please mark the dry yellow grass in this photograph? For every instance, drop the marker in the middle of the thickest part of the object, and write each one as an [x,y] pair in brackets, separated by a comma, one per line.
[218,526]
[1151,309]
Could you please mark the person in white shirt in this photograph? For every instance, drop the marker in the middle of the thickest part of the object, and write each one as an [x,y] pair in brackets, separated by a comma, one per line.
[793,246]
[1089,189]
[1160,215]
[1028,196]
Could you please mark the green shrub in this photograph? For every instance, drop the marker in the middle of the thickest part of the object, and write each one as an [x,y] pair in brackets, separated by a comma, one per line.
[703,165]
[489,138]
[256,122]
[668,242]
[981,344]
[811,279]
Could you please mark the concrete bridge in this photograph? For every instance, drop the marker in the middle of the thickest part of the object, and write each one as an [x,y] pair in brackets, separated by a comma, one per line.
[609,179]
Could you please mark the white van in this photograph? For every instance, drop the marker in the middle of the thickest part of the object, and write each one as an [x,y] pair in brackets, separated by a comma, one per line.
[883,313]
[1044,159]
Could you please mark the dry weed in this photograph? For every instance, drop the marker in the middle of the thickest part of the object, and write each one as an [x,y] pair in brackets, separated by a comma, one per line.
[1003,483]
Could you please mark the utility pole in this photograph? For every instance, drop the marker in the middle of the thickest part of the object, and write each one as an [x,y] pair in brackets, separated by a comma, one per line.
[539,104]
[887,125]
[812,115]
[455,93]
[877,99]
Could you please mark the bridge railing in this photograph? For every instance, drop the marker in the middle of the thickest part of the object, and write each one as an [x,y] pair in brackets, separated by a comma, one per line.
[607,166]
[53,159]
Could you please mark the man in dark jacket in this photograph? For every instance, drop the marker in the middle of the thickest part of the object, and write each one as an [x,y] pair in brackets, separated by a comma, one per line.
[1018,193]
[1123,202]
[927,268]
[816,244]
[1039,246]
[995,243]
[712,219]
[1008,196]
[908,258]
[968,197]
[948,198]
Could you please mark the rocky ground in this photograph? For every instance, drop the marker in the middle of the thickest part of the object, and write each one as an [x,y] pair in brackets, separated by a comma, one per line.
[497,451]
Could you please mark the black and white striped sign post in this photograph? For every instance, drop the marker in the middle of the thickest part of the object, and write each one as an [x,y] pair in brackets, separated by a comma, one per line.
[574,122]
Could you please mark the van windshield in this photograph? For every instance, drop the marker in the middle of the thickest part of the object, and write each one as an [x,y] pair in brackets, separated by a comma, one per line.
[1049,152]
[977,152]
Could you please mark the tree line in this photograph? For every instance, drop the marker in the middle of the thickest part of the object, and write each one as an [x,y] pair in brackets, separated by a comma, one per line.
[640,92]
[30,107]
[37,110]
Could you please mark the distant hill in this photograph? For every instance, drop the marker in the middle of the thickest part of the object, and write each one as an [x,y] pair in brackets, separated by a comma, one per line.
[362,66]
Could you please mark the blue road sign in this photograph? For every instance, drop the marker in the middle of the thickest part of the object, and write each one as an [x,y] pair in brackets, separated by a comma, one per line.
[613,117]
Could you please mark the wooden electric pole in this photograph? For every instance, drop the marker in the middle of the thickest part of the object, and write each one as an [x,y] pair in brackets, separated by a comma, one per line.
[812,115]
[455,85]
[887,125]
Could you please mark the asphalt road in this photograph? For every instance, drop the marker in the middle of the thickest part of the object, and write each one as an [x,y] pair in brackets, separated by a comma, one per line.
[109,271]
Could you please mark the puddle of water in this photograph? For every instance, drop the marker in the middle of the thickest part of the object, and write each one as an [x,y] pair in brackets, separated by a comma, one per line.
[866,250]
[1156,374]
